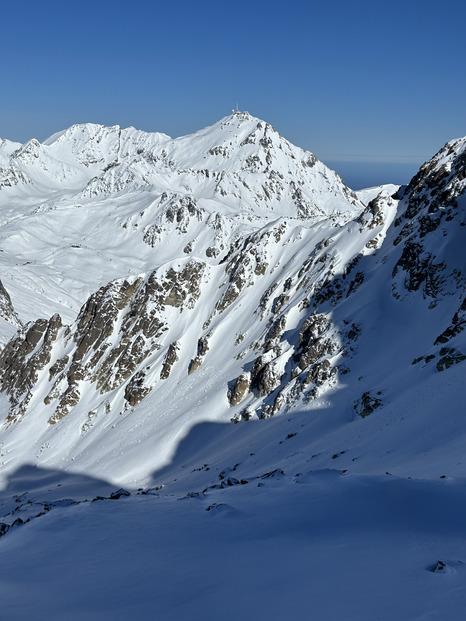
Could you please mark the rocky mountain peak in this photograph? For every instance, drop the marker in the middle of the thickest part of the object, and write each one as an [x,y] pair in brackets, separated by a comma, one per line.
[432,217]
[442,178]
[31,149]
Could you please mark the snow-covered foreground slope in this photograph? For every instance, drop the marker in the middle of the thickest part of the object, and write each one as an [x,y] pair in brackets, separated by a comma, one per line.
[229,537]
[157,291]
[324,545]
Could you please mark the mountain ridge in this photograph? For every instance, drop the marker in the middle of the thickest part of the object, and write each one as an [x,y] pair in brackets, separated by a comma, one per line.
[249,311]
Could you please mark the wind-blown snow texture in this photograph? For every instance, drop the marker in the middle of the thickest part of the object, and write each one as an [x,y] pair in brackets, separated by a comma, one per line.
[157,291]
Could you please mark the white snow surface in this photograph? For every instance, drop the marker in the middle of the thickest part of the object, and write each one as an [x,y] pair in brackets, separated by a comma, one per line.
[315,512]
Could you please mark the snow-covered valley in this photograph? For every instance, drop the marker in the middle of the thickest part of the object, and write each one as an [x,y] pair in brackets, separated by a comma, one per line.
[231,386]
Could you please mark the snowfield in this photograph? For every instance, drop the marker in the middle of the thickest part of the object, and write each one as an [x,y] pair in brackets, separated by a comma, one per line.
[231,387]
[323,544]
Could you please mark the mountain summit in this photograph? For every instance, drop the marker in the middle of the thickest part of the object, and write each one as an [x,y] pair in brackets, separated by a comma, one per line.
[239,160]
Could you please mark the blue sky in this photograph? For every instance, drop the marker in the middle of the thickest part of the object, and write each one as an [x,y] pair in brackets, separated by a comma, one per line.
[349,80]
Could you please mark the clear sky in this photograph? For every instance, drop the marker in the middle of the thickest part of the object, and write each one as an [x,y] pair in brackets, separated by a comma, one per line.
[350,80]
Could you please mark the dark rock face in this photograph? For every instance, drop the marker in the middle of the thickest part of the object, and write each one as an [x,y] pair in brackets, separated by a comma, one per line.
[311,345]
[135,390]
[247,263]
[278,377]
[457,325]
[7,311]
[316,347]
[374,216]
[266,374]
[449,357]
[430,243]
[170,358]
[22,359]
[275,333]
[332,289]
[420,270]
[240,389]
[428,205]
[367,404]
[436,187]
[202,349]
[117,329]
[12,176]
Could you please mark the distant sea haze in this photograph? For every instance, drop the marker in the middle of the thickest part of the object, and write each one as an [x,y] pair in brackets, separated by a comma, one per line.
[359,175]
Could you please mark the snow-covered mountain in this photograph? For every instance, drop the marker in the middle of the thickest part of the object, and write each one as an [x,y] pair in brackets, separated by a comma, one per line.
[155,291]
[205,248]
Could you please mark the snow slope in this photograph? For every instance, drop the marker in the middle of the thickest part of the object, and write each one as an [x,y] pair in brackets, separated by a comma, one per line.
[322,544]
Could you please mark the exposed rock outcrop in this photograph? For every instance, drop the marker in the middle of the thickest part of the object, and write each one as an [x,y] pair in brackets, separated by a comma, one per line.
[367,404]
[170,358]
[116,331]
[240,388]
[23,358]
[202,349]
[7,311]
[429,213]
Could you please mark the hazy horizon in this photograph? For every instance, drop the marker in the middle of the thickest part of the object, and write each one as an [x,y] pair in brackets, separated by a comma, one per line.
[360,175]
